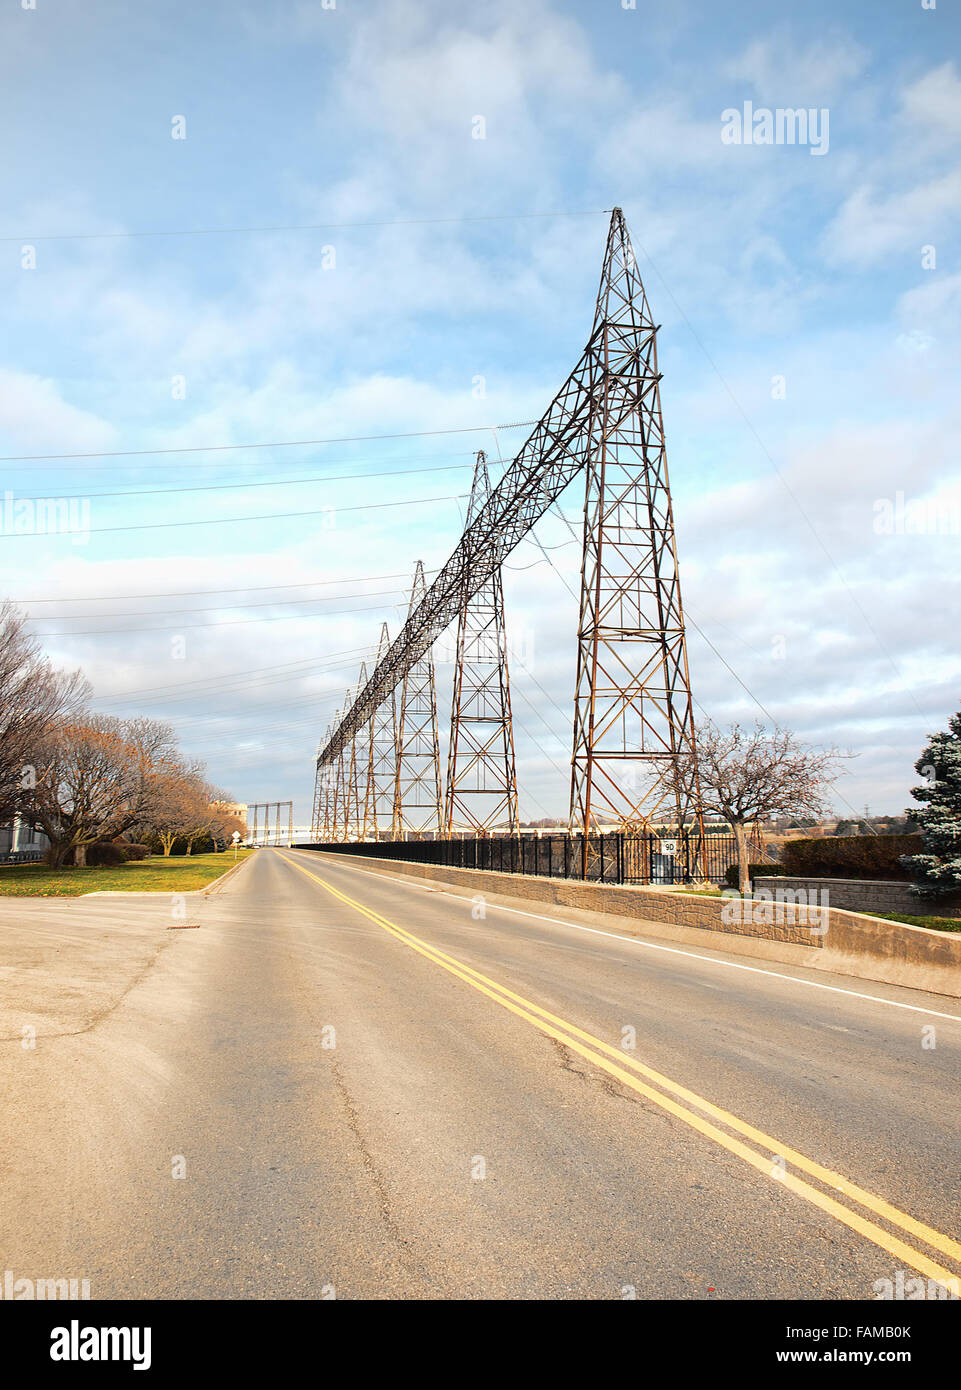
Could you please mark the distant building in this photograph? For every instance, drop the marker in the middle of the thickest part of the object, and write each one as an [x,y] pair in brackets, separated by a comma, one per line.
[19,839]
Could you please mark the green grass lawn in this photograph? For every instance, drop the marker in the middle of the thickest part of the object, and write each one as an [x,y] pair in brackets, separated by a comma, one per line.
[934,923]
[178,874]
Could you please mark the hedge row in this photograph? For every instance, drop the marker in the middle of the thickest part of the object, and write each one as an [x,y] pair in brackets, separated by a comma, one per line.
[849,856]
[109,854]
[732,872]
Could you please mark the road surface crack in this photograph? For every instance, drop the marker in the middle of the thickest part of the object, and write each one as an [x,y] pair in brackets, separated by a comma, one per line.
[607,1083]
[374,1177]
[97,1019]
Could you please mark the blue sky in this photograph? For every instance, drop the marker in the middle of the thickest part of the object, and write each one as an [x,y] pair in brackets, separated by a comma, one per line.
[760,262]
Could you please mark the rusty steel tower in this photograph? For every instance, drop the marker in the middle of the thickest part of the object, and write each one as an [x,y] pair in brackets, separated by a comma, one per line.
[320,820]
[382,759]
[481,775]
[634,757]
[633,711]
[417,794]
[338,794]
[358,767]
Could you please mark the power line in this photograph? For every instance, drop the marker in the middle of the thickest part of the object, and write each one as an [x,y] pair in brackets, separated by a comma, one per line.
[702,634]
[786,486]
[245,589]
[306,226]
[228,520]
[267,444]
[233,487]
[315,700]
[85,467]
[766,712]
[239,687]
[216,608]
[186,627]
[217,680]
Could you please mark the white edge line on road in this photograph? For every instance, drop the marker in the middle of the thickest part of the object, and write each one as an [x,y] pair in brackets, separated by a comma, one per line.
[671,950]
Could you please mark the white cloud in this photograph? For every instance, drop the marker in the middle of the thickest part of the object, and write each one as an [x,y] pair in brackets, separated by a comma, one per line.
[873,226]
[934,100]
[35,417]
[934,304]
[783,72]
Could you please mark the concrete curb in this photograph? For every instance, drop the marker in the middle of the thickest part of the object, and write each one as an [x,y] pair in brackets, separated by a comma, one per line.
[218,883]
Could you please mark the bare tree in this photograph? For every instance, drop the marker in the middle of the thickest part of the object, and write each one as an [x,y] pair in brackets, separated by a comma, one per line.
[177,803]
[185,806]
[204,814]
[33,697]
[748,775]
[96,778]
[226,819]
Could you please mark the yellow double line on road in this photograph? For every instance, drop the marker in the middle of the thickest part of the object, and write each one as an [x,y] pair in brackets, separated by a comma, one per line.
[602,1055]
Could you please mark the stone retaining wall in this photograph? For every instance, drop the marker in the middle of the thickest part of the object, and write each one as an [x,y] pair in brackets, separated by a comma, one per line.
[863,894]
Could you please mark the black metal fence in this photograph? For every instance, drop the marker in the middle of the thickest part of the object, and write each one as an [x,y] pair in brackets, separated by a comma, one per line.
[610,858]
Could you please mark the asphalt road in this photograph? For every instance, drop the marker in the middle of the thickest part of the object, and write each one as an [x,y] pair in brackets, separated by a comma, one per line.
[359,1110]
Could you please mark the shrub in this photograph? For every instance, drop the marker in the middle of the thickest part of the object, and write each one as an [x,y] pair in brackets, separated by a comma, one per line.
[731,875]
[105,854]
[134,851]
[849,856]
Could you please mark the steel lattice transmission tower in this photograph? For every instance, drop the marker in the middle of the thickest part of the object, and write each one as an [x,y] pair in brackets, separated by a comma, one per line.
[634,757]
[481,774]
[338,794]
[320,820]
[417,794]
[382,758]
[634,760]
[357,786]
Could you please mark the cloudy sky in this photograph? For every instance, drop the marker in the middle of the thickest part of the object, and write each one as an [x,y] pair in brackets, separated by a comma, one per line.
[329,253]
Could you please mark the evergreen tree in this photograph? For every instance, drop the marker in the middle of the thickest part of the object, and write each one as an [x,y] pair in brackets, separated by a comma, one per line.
[937,871]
